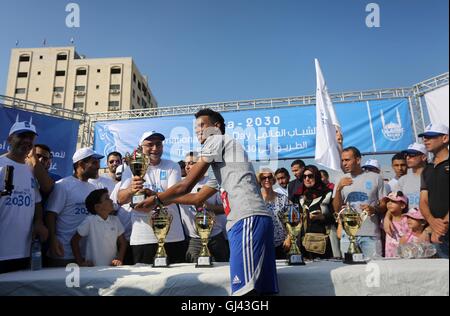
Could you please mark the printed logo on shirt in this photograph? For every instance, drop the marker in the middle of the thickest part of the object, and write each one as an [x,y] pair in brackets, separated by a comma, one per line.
[163,175]
[369,185]
[236,280]
[357,197]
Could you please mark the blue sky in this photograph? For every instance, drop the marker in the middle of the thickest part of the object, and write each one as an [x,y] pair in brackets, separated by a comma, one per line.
[197,51]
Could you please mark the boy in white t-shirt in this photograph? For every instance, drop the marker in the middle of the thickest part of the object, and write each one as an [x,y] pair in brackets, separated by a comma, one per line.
[103,232]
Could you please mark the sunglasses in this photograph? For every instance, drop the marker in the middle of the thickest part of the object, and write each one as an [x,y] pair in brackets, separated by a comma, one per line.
[114,161]
[413,155]
[308,176]
[266,178]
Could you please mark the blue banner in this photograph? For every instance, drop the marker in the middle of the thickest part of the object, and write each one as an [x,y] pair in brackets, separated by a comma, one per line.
[283,133]
[57,133]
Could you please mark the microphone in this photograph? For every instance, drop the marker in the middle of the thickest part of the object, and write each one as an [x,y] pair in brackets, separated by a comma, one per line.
[9,180]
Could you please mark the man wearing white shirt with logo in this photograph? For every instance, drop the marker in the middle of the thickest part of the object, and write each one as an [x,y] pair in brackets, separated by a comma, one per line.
[20,208]
[66,207]
[161,175]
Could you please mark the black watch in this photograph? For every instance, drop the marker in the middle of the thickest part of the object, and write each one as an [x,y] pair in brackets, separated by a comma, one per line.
[158,201]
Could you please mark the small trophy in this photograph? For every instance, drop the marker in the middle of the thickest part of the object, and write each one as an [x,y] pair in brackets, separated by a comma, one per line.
[204,222]
[352,222]
[160,221]
[138,163]
[292,220]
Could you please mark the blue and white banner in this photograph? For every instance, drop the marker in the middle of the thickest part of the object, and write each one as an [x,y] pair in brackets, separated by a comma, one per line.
[284,133]
[57,133]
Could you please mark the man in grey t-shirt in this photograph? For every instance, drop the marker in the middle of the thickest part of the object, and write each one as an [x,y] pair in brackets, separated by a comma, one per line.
[363,190]
[249,224]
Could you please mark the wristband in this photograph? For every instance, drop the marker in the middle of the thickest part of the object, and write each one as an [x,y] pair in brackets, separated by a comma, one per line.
[158,201]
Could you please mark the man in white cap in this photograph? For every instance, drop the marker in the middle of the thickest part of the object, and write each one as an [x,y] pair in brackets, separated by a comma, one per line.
[20,207]
[66,207]
[161,175]
[409,184]
[434,199]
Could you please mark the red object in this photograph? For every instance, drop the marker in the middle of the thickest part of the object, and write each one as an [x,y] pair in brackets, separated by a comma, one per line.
[225,202]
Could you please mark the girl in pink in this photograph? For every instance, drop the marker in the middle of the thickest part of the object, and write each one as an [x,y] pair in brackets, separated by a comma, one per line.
[416,223]
[397,204]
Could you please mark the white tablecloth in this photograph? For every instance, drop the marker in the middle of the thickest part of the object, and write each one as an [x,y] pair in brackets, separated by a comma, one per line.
[384,277]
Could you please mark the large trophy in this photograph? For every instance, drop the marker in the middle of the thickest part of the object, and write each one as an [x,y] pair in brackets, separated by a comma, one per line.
[351,222]
[138,163]
[204,222]
[292,220]
[160,221]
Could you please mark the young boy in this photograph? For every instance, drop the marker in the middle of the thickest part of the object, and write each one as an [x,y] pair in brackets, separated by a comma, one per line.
[103,232]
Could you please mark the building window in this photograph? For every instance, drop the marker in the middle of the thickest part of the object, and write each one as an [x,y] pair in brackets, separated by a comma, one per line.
[81,72]
[139,85]
[37,89]
[20,91]
[80,88]
[39,73]
[97,87]
[134,77]
[98,70]
[144,104]
[78,106]
[115,87]
[57,105]
[138,100]
[61,57]
[96,103]
[22,75]
[116,70]
[113,106]
[58,89]
[41,57]
[134,93]
[24,58]
[60,73]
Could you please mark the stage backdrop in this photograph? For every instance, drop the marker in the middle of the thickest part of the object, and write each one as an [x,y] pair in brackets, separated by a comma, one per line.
[59,134]
[437,105]
[284,133]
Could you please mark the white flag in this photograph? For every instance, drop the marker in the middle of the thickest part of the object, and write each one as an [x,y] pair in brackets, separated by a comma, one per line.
[327,152]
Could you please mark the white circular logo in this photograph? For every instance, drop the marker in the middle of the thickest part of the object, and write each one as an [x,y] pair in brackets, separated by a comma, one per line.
[393,131]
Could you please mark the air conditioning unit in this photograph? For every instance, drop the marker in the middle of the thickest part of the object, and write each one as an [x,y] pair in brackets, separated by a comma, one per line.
[80,93]
[115,91]
[57,94]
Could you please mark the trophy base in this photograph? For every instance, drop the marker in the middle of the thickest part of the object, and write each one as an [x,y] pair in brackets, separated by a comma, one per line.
[296,260]
[136,199]
[203,262]
[354,258]
[160,262]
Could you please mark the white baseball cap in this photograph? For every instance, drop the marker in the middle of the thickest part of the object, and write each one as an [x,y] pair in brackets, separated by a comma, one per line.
[147,135]
[415,148]
[22,127]
[371,163]
[86,152]
[434,130]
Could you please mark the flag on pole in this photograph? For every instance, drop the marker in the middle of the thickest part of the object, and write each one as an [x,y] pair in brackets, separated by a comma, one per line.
[17,43]
[44,42]
[327,152]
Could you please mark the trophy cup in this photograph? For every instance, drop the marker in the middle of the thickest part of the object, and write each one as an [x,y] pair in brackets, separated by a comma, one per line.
[292,220]
[204,222]
[160,221]
[352,222]
[138,163]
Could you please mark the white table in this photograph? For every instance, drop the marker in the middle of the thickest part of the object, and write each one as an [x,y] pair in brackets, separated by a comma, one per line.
[384,277]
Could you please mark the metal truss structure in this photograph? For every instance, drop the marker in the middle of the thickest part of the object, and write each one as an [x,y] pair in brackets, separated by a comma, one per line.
[414,95]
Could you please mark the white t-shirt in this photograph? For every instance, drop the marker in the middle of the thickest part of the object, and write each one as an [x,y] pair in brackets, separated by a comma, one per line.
[188,213]
[103,183]
[102,236]
[17,211]
[123,212]
[67,200]
[158,179]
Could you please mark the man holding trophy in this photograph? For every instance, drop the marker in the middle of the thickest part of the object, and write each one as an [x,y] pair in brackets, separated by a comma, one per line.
[156,175]
[363,191]
[249,224]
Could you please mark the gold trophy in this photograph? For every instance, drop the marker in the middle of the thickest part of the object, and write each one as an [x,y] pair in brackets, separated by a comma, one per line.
[160,221]
[351,222]
[292,220]
[138,163]
[204,222]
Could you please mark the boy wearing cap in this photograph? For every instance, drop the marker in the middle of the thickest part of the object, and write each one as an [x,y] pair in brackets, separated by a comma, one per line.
[66,208]
[103,231]
[20,209]
[434,198]
[160,176]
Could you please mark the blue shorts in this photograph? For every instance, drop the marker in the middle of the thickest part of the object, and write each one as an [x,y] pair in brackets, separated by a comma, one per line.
[252,256]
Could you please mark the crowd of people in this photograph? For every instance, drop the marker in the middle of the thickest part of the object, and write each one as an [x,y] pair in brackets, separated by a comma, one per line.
[86,218]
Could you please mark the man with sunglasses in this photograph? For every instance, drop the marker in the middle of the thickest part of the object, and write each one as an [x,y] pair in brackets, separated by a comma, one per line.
[114,160]
[434,199]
